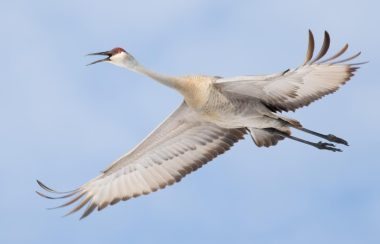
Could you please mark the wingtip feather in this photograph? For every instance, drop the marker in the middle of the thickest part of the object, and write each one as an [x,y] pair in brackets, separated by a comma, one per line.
[338,54]
[325,47]
[310,48]
[347,59]
[48,189]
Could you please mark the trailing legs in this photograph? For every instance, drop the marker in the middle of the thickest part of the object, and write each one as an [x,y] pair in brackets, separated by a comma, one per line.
[320,145]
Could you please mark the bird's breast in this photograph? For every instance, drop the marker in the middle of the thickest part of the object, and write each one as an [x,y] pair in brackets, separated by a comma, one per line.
[196,91]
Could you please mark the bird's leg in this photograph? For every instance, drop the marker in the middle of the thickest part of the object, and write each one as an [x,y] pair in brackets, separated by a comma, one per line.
[319,145]
[328,137]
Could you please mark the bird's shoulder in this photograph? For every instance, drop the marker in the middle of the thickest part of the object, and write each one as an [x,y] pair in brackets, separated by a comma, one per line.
[196,89]
[200,78]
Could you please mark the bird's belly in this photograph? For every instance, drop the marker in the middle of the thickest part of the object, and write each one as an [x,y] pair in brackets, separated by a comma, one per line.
[233,113]
[227,119]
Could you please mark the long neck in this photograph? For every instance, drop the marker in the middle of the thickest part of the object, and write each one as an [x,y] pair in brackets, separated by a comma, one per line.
[170,81]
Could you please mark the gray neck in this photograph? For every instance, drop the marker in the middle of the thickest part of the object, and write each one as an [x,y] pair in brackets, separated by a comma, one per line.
[170,81]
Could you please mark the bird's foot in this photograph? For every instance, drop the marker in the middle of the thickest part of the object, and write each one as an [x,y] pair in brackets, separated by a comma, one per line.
[327,146]
[336,139]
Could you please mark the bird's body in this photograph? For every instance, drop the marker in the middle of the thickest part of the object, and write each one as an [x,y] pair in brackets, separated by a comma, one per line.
[216,113]
[225,109]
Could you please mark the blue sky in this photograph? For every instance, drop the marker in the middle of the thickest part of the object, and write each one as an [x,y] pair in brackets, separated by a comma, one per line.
[63,122]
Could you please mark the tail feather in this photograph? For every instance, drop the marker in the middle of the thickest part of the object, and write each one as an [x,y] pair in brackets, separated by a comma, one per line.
[265,138]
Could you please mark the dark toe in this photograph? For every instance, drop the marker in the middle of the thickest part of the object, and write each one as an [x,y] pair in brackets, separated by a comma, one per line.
[328,146]
[337,139]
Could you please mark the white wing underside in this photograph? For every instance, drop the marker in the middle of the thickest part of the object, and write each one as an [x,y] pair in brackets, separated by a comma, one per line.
[180,145]
[292,89]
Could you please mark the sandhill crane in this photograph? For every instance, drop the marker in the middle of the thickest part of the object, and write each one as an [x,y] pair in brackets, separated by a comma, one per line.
[216,113]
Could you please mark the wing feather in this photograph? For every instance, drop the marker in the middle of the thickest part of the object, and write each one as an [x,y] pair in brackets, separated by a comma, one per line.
[310,49]
[341,51]
[324,48]
[180,145]
[296,88]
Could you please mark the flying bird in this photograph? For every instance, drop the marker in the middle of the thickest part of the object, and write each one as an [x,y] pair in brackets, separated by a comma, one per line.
[216,113]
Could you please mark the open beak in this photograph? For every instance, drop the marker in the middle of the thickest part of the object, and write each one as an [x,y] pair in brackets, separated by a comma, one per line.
[107,53]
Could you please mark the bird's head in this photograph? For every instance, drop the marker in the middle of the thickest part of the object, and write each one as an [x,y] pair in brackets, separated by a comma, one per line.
[117,56]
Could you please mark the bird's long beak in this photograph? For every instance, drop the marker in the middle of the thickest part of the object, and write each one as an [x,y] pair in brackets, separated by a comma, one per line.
[107,53]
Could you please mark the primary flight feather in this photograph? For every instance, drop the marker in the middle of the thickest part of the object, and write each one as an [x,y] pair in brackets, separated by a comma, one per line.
[216,113]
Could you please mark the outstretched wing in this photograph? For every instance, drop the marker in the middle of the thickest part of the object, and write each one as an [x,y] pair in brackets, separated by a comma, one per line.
[298,87]
[180,145]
